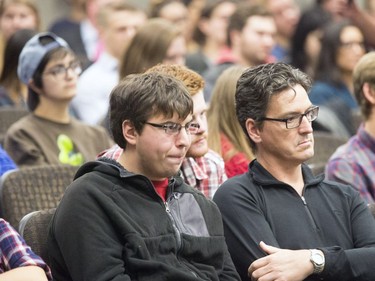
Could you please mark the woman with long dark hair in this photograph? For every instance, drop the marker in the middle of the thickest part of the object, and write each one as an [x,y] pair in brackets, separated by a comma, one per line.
[342,47]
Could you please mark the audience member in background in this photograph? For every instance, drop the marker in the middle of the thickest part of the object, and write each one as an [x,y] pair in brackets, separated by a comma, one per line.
[342,47]
[15,15]
[117,23]
[308,33]
[12,91]
[157,41]
[306,41]
[195,8]
[18,14]
[363,18]
[49,135]
[136,219]
[251,32]
[286,14]
[202,168]
[77,12]
[211,35]
[334,8]
[17,260]
[280,221]
[225,135]
[182,13]
[6,163]
[353,163]
[83,36]
[174,11]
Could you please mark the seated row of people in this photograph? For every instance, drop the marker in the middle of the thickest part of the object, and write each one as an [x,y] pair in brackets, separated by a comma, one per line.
[65,67]
[256,230]
[50,70]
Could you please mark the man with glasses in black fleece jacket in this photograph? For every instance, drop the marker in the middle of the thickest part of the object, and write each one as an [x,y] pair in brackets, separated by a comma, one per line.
[281,222]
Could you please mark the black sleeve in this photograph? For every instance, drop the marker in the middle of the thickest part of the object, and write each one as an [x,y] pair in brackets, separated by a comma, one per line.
[245,225]
[356,263]
[89,247]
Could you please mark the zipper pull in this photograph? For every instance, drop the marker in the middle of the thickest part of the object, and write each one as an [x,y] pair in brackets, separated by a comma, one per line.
[303,200]
[167,207]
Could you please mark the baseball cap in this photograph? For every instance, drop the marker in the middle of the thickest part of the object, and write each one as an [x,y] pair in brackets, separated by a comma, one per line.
[34,51]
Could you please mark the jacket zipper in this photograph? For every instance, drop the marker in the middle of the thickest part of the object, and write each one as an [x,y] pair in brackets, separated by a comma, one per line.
[177,235]
[308,212]
[176,230]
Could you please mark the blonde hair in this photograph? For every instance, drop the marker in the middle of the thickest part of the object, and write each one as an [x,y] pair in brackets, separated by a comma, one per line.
[221,116]
[192,80]
[4,4]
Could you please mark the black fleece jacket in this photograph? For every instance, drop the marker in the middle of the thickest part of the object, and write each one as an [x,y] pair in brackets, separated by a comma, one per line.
[112,225]
[257,207]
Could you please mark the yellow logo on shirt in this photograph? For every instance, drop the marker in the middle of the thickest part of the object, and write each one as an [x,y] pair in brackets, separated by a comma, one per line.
[67,154]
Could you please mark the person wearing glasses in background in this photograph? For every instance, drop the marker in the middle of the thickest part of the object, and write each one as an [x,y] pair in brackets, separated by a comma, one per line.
[280,221]
[49,134]
[135,218]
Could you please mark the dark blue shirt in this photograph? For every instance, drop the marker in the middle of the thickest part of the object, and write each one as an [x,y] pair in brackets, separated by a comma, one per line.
[6,163]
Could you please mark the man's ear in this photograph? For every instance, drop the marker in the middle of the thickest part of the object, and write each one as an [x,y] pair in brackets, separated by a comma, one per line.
[369,92]
[253,131]
[129,132]
[34,87]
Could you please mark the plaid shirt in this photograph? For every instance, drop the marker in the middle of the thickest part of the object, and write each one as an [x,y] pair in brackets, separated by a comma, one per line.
[354,163]
[204,173]
[14,251]
[112,153]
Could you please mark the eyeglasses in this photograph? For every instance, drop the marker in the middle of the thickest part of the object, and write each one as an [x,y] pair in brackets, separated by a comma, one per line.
[295,121]
[60,71]
[174,128]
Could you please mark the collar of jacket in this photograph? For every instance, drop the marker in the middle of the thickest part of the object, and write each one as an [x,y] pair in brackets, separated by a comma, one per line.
[264,178]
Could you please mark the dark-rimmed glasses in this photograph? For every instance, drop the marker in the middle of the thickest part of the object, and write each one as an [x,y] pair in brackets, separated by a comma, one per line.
[60,71]
[174,129]
[295,121]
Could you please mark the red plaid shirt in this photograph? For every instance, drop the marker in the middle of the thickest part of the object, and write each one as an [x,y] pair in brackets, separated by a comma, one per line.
[15,252]
[204,173]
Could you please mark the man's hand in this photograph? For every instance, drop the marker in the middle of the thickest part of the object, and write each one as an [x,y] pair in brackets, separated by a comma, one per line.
[281,264]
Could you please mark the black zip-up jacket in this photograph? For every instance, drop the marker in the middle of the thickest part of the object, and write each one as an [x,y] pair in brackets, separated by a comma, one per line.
[112,225]
[330,216]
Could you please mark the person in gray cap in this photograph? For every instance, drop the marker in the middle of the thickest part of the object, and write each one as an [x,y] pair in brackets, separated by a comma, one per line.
[50,135]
